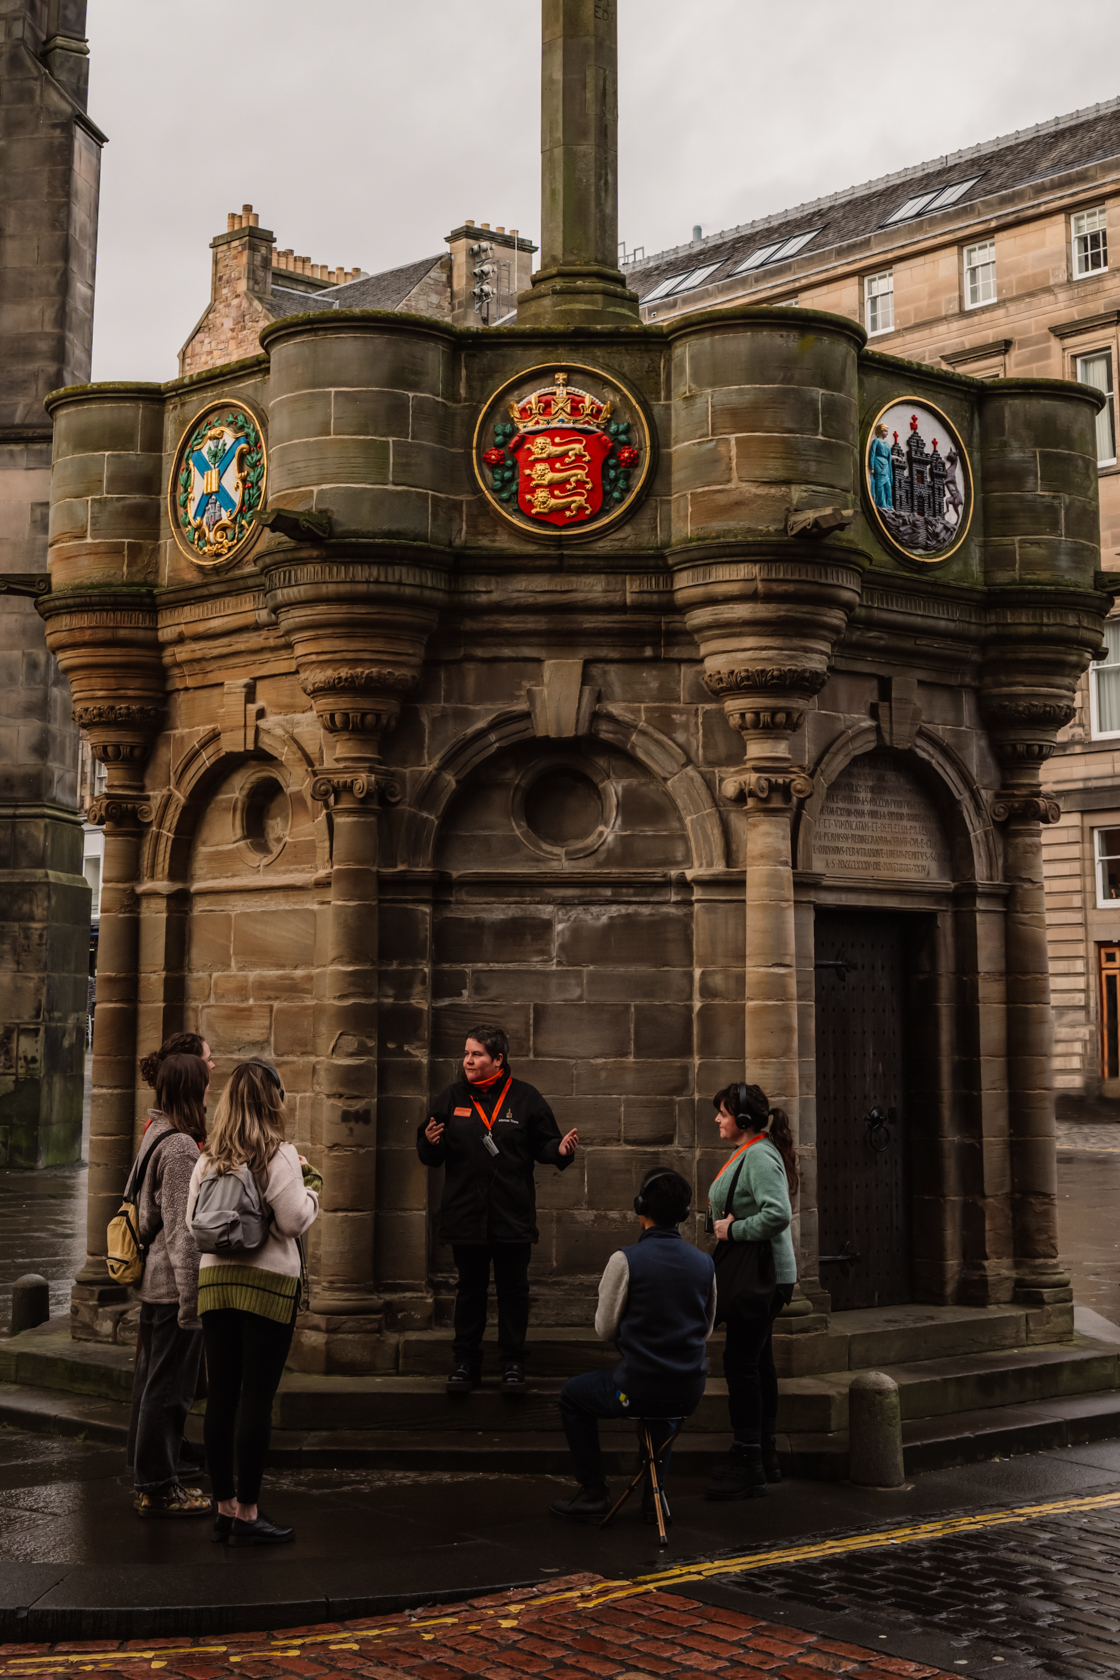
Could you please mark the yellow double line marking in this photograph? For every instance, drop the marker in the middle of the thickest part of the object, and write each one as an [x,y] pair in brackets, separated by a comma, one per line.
[602,1592]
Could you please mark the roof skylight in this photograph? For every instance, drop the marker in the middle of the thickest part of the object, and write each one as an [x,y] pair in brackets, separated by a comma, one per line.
[686,282]
[664,287]
[779,252]
[924,204]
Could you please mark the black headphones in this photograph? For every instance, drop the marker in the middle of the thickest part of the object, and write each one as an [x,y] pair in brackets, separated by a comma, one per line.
[651,1178]
[745,1116]
[259,1061]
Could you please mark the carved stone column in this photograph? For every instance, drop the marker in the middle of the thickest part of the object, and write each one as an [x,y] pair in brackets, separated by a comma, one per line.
[106,644]
[358,629]
[767,705]
[1023,727]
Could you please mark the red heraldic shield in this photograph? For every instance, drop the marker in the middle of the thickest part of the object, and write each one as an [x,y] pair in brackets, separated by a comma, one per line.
[560,473]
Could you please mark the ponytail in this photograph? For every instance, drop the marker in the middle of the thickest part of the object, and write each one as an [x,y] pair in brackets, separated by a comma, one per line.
[781,1137]
[773,1121]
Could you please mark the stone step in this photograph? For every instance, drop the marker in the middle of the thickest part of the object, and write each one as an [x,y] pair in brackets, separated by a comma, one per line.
[943,1387]
[873,1338]
[967,1437]
[929,1443]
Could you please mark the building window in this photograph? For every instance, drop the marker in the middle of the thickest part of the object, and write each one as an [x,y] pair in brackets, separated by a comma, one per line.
[1097,370]
[1090,242]
[878,297]
[979,273]
[1104,685]
[1110,1010]
[1107,841]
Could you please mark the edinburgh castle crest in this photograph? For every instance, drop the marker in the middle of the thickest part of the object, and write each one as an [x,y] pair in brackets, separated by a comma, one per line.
[919,482]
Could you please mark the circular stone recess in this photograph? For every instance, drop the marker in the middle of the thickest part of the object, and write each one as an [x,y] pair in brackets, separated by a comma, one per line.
[563,807]
[267,817]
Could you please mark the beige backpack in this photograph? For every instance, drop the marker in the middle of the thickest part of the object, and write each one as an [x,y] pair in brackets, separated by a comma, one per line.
[126,1250]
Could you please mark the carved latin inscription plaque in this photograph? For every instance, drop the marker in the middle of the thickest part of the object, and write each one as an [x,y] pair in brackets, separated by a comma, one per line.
[878,820]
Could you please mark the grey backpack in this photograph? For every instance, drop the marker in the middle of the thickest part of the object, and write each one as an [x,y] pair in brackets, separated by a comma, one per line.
[230,1214]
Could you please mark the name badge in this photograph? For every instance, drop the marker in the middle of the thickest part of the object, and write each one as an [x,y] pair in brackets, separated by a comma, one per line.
[488,1143]
[461,1112]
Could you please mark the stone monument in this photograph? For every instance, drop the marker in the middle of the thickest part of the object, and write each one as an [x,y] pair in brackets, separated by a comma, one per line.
[565,674]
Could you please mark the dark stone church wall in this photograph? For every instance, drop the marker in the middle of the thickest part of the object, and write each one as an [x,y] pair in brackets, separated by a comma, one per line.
[49,175]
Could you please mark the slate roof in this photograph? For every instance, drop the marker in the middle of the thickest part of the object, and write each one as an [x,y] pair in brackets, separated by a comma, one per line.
[1014,160]
[387,290]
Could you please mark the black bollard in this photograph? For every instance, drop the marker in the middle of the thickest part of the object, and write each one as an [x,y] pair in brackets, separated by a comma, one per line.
[31,1302]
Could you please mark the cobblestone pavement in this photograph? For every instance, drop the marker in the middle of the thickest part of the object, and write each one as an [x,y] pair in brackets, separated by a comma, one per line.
[584,1628]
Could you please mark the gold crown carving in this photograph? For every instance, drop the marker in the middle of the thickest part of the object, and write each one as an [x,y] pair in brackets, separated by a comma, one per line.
[560,405]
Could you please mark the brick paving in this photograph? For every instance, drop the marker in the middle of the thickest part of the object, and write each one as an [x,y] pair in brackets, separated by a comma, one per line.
[582,1628]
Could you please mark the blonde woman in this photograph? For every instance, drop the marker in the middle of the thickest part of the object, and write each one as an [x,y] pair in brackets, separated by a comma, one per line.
[248,1302]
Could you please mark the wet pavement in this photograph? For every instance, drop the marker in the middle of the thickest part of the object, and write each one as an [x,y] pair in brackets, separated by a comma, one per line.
[820,1571]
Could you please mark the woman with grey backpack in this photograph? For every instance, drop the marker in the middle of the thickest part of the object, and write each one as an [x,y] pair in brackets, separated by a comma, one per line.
[252,1196]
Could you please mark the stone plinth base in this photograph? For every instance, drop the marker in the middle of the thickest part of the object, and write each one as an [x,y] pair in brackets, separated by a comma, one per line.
[99,1311]
[328,1345]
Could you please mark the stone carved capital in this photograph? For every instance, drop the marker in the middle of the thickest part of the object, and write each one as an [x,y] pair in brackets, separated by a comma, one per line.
[1013,807]
[773,789]
[1027,711]
[800,680]
[363,679]
[329,785]
[119,808]
[133,717]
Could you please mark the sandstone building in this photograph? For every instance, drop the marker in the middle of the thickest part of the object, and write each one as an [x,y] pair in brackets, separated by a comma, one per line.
[579,672]
[998,261]
[50,154]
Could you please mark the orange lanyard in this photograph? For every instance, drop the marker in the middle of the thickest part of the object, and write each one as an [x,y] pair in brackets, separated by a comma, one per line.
[505,1092]
[742,1149]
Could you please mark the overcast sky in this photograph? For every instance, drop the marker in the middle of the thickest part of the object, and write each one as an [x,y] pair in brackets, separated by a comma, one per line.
[363,131]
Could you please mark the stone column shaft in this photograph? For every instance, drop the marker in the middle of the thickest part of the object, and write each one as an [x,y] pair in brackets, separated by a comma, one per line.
[1034,1182]
[579,278]
[579,133]
[346,1056]
[771,959]
[114,1070]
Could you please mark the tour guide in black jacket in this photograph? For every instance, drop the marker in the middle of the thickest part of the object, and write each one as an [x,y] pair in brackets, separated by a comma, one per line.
[488,1130]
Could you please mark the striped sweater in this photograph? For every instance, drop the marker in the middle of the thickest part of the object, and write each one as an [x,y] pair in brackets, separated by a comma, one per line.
[264,1280]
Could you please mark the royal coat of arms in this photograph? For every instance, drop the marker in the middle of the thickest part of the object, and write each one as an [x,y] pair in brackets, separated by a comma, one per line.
[566,456]
[217,487]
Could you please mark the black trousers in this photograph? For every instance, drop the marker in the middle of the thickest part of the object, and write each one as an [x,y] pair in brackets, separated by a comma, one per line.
[245,1356]
[163,1390]
[511,1285]
[748,1366]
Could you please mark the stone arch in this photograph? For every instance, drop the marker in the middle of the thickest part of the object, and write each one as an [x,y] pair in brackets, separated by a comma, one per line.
[203,765]
[961,802]
[648,746]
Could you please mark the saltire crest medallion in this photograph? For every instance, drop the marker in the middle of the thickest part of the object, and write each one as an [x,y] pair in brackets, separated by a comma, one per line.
[563,451]
[218,483]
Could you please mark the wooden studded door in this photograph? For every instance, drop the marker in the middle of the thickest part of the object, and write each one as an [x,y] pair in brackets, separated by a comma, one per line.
[862,1180]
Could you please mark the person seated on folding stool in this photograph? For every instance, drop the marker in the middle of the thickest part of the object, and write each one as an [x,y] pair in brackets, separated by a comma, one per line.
[657,1303]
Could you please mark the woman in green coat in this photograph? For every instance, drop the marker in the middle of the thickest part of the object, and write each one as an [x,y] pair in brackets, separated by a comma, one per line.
[749,1201]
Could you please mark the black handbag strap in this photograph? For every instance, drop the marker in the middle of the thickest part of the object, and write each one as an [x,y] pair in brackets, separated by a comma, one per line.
[730,1197]
[140,1167]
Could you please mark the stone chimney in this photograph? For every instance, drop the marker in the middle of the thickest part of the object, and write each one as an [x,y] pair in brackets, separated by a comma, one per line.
[240,293]
[489,268]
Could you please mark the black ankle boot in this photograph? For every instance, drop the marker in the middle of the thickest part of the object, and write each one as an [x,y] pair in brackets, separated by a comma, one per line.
[770,1459]
[740,1475]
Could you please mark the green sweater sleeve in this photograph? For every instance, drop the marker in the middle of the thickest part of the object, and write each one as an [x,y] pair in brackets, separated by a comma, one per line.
[763,1186]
